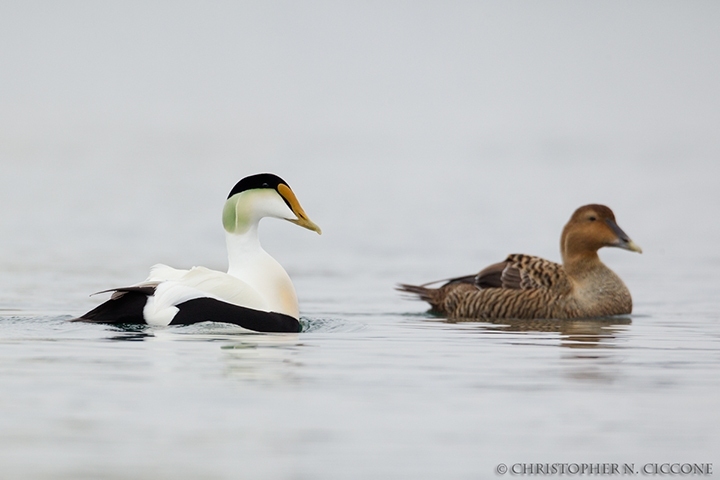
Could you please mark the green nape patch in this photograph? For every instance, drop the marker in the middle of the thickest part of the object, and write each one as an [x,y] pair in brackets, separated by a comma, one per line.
[229,214]
[236,216]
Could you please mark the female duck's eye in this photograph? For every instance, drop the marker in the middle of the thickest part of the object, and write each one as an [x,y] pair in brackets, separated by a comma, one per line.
[592,219]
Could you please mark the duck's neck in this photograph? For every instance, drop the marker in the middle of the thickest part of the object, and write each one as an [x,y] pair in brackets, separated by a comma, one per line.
[250,263]
[579,265]
[242,250]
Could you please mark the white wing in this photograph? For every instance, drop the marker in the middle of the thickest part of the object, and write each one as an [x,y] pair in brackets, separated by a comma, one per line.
[219,285]
[224,287]
[162,273]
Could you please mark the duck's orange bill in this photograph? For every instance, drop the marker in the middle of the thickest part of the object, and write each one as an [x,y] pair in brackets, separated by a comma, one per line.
[302,218]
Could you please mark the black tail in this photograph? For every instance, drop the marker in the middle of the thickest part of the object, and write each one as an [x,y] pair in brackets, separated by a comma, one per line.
[125,306]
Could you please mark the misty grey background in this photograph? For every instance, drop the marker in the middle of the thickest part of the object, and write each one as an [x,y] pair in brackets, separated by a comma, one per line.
[445,118]
[427,139]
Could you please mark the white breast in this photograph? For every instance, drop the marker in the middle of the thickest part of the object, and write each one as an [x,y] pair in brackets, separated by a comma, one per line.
[269,279]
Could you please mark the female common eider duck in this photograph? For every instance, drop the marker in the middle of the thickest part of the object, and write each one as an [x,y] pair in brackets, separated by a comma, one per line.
[256,293]
[527,287]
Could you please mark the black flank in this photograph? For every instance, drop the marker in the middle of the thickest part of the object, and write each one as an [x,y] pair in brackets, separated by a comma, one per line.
[210,310]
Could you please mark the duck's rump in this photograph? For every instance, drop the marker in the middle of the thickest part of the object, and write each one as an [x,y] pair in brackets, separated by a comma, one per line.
[127,306]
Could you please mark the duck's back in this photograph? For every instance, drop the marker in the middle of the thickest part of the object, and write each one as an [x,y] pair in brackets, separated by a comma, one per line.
[522,286]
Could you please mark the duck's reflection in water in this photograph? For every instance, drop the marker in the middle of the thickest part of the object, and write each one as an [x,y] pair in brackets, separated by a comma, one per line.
[573,333]
[593,358]
[245,355]
[263,358]
[129,333]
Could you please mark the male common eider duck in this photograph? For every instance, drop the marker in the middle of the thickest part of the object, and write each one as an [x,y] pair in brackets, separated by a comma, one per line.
[527,287]
[256,293]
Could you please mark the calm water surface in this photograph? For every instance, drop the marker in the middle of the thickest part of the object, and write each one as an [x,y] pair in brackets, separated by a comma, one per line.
[374,387]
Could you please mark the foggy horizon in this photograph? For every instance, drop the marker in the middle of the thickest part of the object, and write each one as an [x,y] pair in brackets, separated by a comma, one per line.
[269,79]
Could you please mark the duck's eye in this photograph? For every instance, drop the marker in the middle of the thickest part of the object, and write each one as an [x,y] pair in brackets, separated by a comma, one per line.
[592,219]
[265,185]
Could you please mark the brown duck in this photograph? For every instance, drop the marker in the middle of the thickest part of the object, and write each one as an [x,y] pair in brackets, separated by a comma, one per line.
[526,287]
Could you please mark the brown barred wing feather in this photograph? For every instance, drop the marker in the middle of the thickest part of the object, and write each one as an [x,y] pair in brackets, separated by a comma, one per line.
[528,272]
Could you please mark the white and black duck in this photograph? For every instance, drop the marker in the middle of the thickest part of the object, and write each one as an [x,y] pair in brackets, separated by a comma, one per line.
[256,293]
